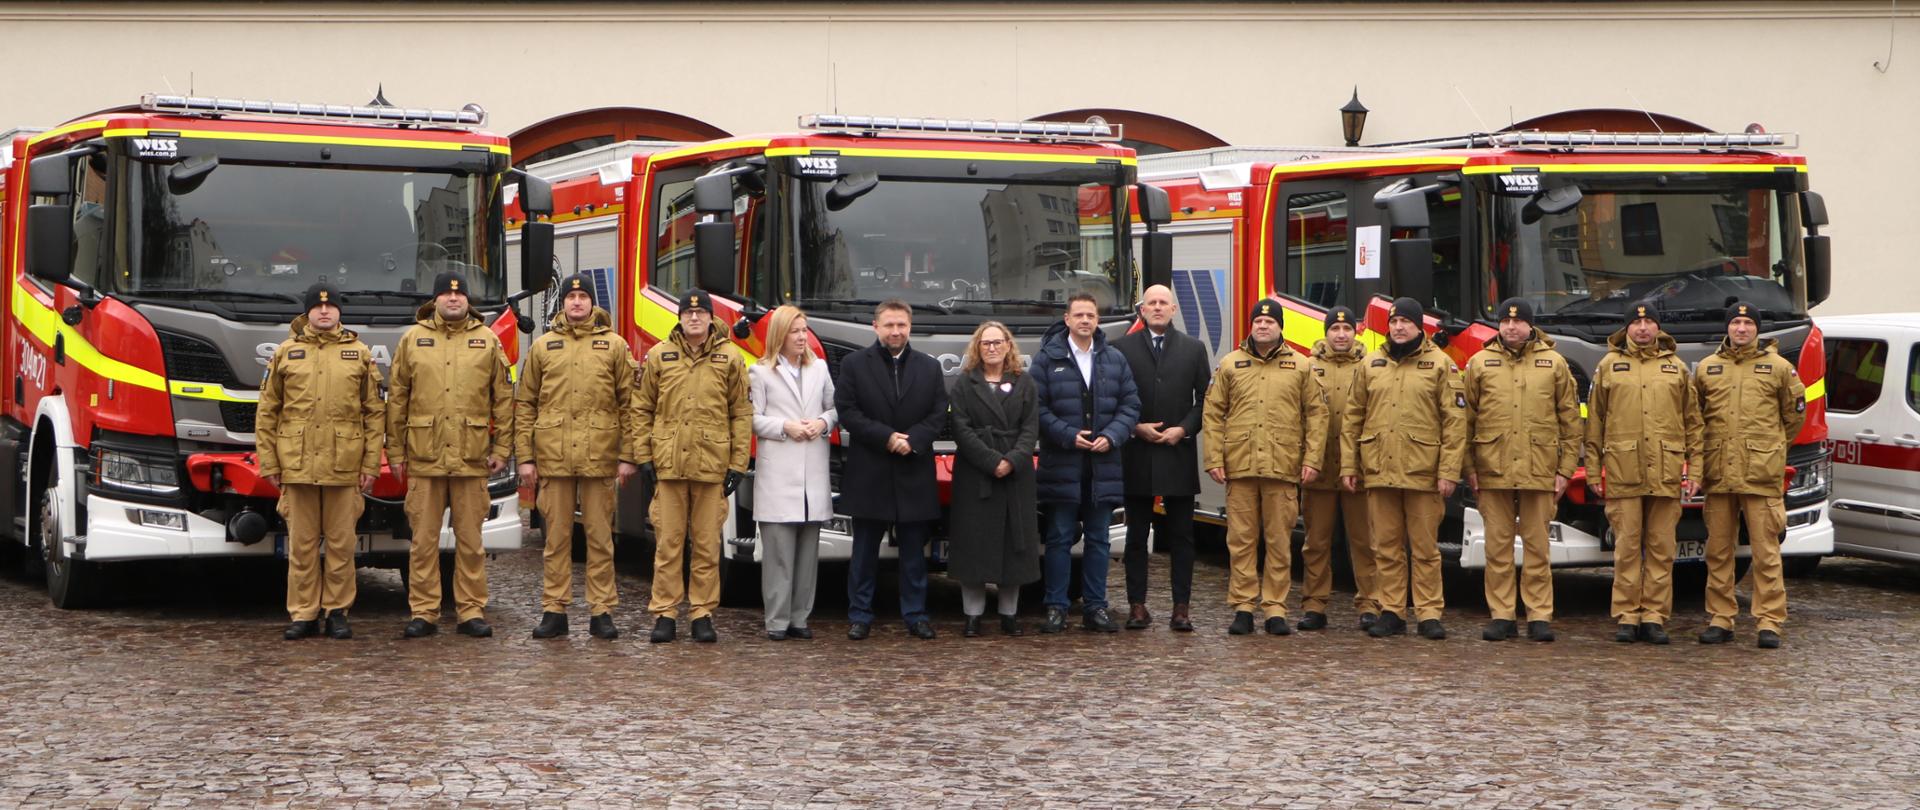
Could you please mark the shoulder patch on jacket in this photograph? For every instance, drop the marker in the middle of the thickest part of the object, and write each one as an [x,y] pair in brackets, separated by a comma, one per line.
[1242,363]
[349,354]
[477,343]
[603,344]
[556,344]
[1459,400]
[423,341]
[1622,366]
[669,356]
[719,357]
[1543,363]
[1716,368]
[1426,364]
[1289,364]
[1763,368]
[1669,368]
[1379,361]
[1491,363]
[296,354]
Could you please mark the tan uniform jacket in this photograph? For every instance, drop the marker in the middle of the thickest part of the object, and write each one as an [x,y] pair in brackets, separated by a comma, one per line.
[1643,420]
[450,405]
[1336,371]
[1523,416]
[693,417]
[572,410]
[320,419]
[1265,417]
[1752,404]
[1406,421]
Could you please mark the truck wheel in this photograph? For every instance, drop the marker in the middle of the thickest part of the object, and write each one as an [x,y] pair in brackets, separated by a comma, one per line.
[71,584]
[1799,567]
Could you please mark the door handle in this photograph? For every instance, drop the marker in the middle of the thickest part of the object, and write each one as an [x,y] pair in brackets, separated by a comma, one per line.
[1868,436]
[1907,440]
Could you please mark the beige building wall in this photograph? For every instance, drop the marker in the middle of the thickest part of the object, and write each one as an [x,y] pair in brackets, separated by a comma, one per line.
[1250,73]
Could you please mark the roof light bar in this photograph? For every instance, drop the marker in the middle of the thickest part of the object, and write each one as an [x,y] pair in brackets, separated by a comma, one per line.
[1041,130]
[1631,141]
[471,115]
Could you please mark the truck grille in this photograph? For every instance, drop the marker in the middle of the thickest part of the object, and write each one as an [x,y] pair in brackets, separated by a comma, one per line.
[190,359]
[238,416]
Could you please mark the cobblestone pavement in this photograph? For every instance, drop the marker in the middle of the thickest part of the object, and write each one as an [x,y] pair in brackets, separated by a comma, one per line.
[184,695]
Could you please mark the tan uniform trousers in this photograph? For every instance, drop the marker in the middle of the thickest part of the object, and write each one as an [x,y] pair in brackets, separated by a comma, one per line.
[313,513]
[1406,524]
[1256,506]
[429,500]
[686,513]
[1766,518]
[557,499]
[1643,547]
[1324,509]
[1533,511]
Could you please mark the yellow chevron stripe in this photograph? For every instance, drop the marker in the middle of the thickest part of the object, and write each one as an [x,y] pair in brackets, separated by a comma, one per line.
[45,324]
[1817,390]
[77,126]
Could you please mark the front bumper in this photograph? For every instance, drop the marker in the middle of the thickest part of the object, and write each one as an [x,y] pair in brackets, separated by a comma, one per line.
[114,534]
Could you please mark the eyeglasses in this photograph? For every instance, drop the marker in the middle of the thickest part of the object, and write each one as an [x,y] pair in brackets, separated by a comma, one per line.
[992,344]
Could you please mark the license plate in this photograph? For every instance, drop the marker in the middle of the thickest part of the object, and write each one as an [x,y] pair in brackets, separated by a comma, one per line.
[1690,551]
[363,546]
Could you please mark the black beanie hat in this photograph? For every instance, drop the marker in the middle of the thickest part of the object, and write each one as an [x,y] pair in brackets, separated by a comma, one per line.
[1742,309]
[1341,315]
[1516,307]
[322,293]
[577,281]
[450,281]
[1643,309]
[696,298]
[1266,308]
[1409,309]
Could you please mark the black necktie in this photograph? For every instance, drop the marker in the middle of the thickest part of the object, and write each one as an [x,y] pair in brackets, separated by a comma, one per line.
[1159,342]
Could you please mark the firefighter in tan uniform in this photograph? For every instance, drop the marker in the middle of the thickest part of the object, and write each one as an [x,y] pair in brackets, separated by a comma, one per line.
[1643,436]
[1523,426]
[1336,360]
[318,431]
[1264,426]
[573,435]
[1753,404]
[450,418]
[1403,438]
[693,422]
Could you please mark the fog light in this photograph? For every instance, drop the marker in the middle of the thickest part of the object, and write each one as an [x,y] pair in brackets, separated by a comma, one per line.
[154,518]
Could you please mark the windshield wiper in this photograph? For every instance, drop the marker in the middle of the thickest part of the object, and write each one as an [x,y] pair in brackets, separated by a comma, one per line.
[870,302]
[1580,317]
[184,292]
[1018,302]
[414,295]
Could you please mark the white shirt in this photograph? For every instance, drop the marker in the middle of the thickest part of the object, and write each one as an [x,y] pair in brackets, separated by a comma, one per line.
[787,367]
[1082,359]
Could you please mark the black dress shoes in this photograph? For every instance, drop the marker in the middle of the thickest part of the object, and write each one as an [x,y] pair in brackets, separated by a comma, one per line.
[664,630]
[972,630]
[801,633]
[1056,620]
[922,630]
[552,625]
[1098,620]
[859,631]
[1010,626]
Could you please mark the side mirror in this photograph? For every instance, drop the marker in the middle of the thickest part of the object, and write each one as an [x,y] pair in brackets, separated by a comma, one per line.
[713,194]
[1819,256]
[536,196]
[713,256]
[1813,209]
[1156,259]
[850,188]
[51,175]
[536,256]
[1406,208]
[1412,268]
[1155,207]
[188,174]
[1549,202]
[50,241]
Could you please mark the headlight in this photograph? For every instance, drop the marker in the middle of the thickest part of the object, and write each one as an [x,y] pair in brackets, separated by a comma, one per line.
[1813,479]
[152,475]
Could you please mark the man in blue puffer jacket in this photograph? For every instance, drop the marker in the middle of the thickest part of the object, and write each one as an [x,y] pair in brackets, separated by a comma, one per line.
[1088,406]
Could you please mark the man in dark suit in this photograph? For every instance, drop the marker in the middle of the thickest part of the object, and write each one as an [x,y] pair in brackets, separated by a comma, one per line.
[892,403]
[1172,371]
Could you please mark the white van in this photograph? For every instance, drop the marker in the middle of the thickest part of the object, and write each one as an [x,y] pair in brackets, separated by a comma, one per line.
[1873,432]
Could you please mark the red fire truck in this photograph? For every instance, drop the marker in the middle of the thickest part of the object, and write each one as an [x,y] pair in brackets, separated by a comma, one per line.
[154,255]
[1583,224]
[966,221]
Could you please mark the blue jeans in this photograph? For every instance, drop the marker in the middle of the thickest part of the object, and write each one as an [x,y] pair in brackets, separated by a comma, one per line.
[863,570]
[1066,523]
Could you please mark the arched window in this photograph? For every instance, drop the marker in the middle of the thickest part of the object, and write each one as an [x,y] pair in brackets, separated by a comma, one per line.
[577,131]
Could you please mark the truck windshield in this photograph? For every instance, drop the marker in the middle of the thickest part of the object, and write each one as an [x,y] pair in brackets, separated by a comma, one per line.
[964,248]
[1688,248]
[268,232]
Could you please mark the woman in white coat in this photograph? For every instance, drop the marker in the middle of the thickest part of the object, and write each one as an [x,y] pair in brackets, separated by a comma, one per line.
[793,416]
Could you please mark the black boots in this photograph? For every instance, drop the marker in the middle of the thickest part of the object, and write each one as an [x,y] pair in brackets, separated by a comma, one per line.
[1387,624]
[1277,626]
[1498,630]
[1769,640]
[300,630]
[1242,623]
[600,626]
[972,630]
[1539,631]
[1432,630]
[1653,633]
[1627,633]
[420,628]
[1716,635]
[337,628]
[1314,620]
[663,630]
[703,630]
[477,628]
[552,625]
[1010,625]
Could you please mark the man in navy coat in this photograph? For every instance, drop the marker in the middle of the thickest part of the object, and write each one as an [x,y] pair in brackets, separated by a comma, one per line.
[892,403]
[1088,407]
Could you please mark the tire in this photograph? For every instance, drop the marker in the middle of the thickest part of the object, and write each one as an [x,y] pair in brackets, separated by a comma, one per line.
[71,584]
[1800,566]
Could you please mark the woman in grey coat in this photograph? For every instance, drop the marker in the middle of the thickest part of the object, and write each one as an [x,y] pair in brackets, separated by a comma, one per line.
[993,530]
[793,417]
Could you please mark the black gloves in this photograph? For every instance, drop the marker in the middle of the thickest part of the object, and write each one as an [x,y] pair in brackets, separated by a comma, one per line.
[733,482]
